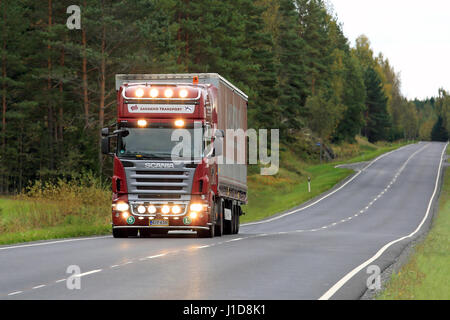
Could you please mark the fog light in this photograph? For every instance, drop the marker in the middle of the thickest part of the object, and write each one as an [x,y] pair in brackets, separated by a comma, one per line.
[141,209]
[125,214]
[165,209]
[193,215]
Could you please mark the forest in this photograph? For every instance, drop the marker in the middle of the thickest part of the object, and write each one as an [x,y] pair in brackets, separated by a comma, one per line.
[290,56]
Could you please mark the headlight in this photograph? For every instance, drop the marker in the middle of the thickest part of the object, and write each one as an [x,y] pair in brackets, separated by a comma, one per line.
[122,206]
[165,209]
[196,207]
[151,209]
[176,209]
[141,209]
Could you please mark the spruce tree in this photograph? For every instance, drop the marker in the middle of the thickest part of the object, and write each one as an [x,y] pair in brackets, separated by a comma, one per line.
[439,133]
[377,117]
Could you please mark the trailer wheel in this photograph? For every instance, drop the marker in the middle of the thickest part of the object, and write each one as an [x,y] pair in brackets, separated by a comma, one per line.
[236,222]
[228,225]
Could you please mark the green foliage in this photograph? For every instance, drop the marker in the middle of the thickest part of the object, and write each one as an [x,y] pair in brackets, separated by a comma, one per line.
[290,56]
[377,120]
[439,132]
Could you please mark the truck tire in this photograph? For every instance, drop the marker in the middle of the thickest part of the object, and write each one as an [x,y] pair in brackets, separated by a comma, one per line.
[119,233]
[207,233]
[236,216]
[228,225]
[220,220]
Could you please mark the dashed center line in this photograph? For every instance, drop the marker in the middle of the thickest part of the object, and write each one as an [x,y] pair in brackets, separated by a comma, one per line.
[39,286]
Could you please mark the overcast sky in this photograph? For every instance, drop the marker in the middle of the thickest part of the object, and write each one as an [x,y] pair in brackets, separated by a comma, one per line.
[413,34]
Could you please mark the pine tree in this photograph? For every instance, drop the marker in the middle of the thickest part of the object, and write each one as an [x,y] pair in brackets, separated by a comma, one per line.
[262,81]
[439,133]
[377,117]
[290,48]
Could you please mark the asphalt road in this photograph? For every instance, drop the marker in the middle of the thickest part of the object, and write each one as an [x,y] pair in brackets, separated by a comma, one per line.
[320,250]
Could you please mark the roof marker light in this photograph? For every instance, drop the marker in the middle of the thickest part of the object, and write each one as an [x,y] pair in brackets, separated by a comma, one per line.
[154,92]
[183,93]
[168,93]
[139,93]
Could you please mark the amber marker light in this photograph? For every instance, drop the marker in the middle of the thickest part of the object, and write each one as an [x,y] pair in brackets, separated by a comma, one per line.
[179,123]
[142,123]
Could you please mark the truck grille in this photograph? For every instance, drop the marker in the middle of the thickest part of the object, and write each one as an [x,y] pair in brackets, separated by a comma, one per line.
[159,183]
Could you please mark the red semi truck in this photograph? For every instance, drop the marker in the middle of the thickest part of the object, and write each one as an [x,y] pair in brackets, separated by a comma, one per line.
[155,187]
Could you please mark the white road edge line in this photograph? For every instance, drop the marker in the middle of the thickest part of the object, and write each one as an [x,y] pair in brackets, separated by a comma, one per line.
[326,196]
[52,242]
[327,295]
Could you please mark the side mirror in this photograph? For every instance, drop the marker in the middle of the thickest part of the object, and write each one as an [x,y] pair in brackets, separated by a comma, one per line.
[218,146]
[105,132]
[105,145]
[218,133]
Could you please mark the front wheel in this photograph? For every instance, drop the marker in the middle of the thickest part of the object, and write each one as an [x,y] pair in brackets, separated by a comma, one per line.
[210,233]
[119,233]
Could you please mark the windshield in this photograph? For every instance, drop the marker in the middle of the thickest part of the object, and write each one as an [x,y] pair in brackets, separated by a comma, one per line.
[156,143]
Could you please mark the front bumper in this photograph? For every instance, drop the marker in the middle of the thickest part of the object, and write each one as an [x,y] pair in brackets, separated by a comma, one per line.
[164,227]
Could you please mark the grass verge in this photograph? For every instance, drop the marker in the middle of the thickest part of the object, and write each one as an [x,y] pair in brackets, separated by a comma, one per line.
[426,275]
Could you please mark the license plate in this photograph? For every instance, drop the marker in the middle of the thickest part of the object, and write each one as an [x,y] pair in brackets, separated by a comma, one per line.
[158,222]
